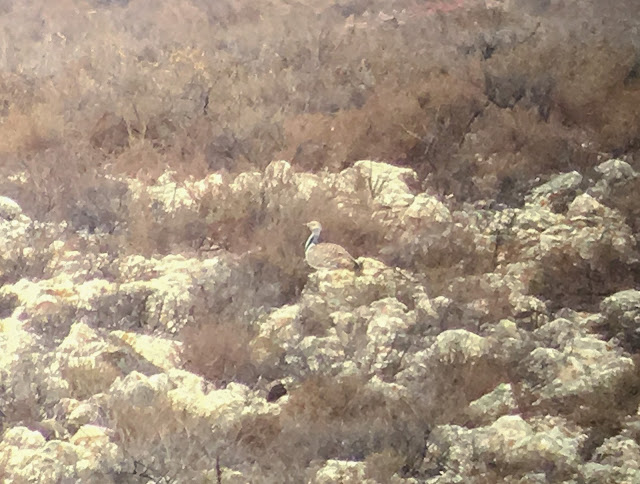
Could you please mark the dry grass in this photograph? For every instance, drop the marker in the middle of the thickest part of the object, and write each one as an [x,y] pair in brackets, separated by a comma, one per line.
[477,100]
[324,85]
[219,352]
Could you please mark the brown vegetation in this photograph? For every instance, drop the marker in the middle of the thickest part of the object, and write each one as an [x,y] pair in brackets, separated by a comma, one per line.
[483,102]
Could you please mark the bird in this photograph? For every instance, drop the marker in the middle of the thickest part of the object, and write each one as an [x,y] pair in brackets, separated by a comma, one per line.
[323,255]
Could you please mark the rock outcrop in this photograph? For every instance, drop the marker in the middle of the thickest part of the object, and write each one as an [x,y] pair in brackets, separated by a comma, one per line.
[479,343]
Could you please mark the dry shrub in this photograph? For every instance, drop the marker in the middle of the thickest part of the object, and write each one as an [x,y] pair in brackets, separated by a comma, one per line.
[265,218]
[153,229]
[110,133]
[381,466]
[8,302]
[32,261]
[144,234]
[100,205]
[219,351]
[355,134]
[258,434]
[33,119]
[548,115]
[451,387]
[267,224]
[539,115]
[325,84]
[218,340]
[489,295]
[441,253]
[123,310]
[450,104]
[61,184]
[596,88]
[162,443]
[53,326]
[567,280]
[345,419]
[511,146]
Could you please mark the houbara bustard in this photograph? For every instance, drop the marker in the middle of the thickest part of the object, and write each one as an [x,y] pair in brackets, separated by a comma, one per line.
[322,255]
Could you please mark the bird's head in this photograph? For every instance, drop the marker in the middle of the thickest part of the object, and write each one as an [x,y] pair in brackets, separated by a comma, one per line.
[314,226]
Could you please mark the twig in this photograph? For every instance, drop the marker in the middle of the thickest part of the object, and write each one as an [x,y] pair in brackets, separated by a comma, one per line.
[218,470]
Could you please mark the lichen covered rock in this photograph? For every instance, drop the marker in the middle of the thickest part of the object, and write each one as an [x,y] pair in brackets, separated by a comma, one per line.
[471,345]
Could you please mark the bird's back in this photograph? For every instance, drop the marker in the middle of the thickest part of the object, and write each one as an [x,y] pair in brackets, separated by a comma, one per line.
[329,256]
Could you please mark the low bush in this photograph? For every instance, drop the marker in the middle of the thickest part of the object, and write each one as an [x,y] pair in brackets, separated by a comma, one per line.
[219,351]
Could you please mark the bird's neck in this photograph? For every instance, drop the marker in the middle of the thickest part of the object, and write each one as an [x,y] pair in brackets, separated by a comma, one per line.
[311,241]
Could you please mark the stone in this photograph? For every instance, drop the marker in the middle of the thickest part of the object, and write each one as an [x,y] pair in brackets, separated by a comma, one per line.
[621,318]
[557,193]
[9,209]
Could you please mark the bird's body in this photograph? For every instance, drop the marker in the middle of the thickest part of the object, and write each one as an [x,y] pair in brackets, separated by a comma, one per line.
[322,255]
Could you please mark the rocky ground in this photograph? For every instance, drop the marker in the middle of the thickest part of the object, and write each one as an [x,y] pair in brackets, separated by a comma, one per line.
[520,369]
[158,322]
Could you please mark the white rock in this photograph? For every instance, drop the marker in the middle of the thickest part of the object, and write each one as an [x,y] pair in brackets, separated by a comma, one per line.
[459,346]
[345,472]
[9,209]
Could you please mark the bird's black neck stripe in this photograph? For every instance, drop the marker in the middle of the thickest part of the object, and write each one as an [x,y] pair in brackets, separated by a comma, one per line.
[311,241]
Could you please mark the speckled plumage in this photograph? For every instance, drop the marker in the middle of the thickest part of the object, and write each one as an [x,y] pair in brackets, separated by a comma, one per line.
[322,255]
